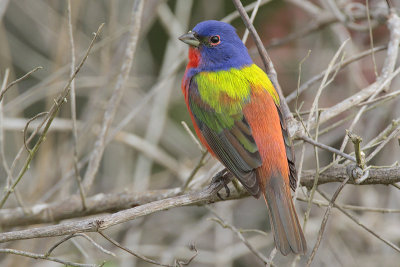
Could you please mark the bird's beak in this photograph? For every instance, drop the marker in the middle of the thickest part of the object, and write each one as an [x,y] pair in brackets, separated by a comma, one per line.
[190,39]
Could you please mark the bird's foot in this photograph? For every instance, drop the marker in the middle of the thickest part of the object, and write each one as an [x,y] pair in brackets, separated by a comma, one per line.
[223,177]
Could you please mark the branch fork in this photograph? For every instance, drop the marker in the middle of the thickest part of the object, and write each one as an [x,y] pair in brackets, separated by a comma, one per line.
[358,172]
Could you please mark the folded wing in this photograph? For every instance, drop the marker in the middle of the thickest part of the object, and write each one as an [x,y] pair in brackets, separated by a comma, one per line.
[229,136]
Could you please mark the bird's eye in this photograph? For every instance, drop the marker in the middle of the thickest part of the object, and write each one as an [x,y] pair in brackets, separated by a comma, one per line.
[214,40]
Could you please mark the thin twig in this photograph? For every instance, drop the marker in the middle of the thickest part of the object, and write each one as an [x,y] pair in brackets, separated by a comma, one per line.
[324,83]
[393,25]
[44,257]
[354,219]
[174,24]
[112,105]
[27,125]
[48,253]
[2,144]
[350,102]
[195,140]
[253,16]
[394,134]
[238,233]
[383,135]
[356,119]
[269,66]
[142,257]
[382,82]
[360,156]
[2,147]
[4,90]
[371,38]
[300,168]
[199,164]
[137,255]
[73,109]
[325,220]
[325,147]
[151,151]
[335,68]
[272,254]
[234,15]
[352,207]
[381,98]
[145,100]
[317,172]
[49,118]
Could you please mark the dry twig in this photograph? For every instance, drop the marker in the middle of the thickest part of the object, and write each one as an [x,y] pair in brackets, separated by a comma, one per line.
[49,118]
[112,106]
[325,220]
[44,257]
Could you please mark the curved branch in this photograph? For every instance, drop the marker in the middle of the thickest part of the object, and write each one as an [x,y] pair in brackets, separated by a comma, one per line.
[144,204]
[207,195]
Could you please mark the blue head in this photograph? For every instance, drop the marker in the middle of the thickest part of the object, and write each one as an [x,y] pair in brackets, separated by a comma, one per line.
[219,46]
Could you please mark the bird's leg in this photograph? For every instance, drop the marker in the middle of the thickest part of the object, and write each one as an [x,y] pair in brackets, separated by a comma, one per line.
[236,184]
[223,177]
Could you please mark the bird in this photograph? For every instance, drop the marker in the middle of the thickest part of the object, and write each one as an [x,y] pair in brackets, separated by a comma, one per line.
[236,114]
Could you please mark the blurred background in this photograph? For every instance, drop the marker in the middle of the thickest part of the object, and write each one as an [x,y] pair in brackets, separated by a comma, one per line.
[154,151]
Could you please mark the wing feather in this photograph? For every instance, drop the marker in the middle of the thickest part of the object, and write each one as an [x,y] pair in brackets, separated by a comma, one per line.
[289,151]
[230,138]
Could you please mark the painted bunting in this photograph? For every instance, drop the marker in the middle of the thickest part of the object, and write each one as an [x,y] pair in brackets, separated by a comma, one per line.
[236,114]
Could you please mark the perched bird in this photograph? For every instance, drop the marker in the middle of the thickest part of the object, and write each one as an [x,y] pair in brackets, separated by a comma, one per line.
[236,114]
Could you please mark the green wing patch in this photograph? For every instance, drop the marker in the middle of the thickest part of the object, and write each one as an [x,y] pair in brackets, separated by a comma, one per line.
[228,134]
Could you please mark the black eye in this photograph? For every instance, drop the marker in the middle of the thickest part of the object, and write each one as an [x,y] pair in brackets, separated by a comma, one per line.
[214,40]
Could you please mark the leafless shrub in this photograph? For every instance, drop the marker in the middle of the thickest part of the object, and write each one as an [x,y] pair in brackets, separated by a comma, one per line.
[108,161]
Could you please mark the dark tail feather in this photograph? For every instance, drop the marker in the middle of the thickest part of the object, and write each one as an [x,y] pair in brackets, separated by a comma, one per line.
[288,234]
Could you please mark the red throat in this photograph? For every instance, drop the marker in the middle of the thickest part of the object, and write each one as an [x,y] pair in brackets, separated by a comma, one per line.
[194,58]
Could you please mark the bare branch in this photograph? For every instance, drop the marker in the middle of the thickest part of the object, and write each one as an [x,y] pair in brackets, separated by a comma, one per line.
[393,135]
[103,222]
[44,257]
[325,220]
[335,68]
[5,89]
[146,203]
[132,252]
[112,106]
[269,66]
[253,16]
[75,235]
[390,244]
[338,173]
[327,148]
[73,109]
[49,118]
[253,250]
[234,15]
[352,207]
